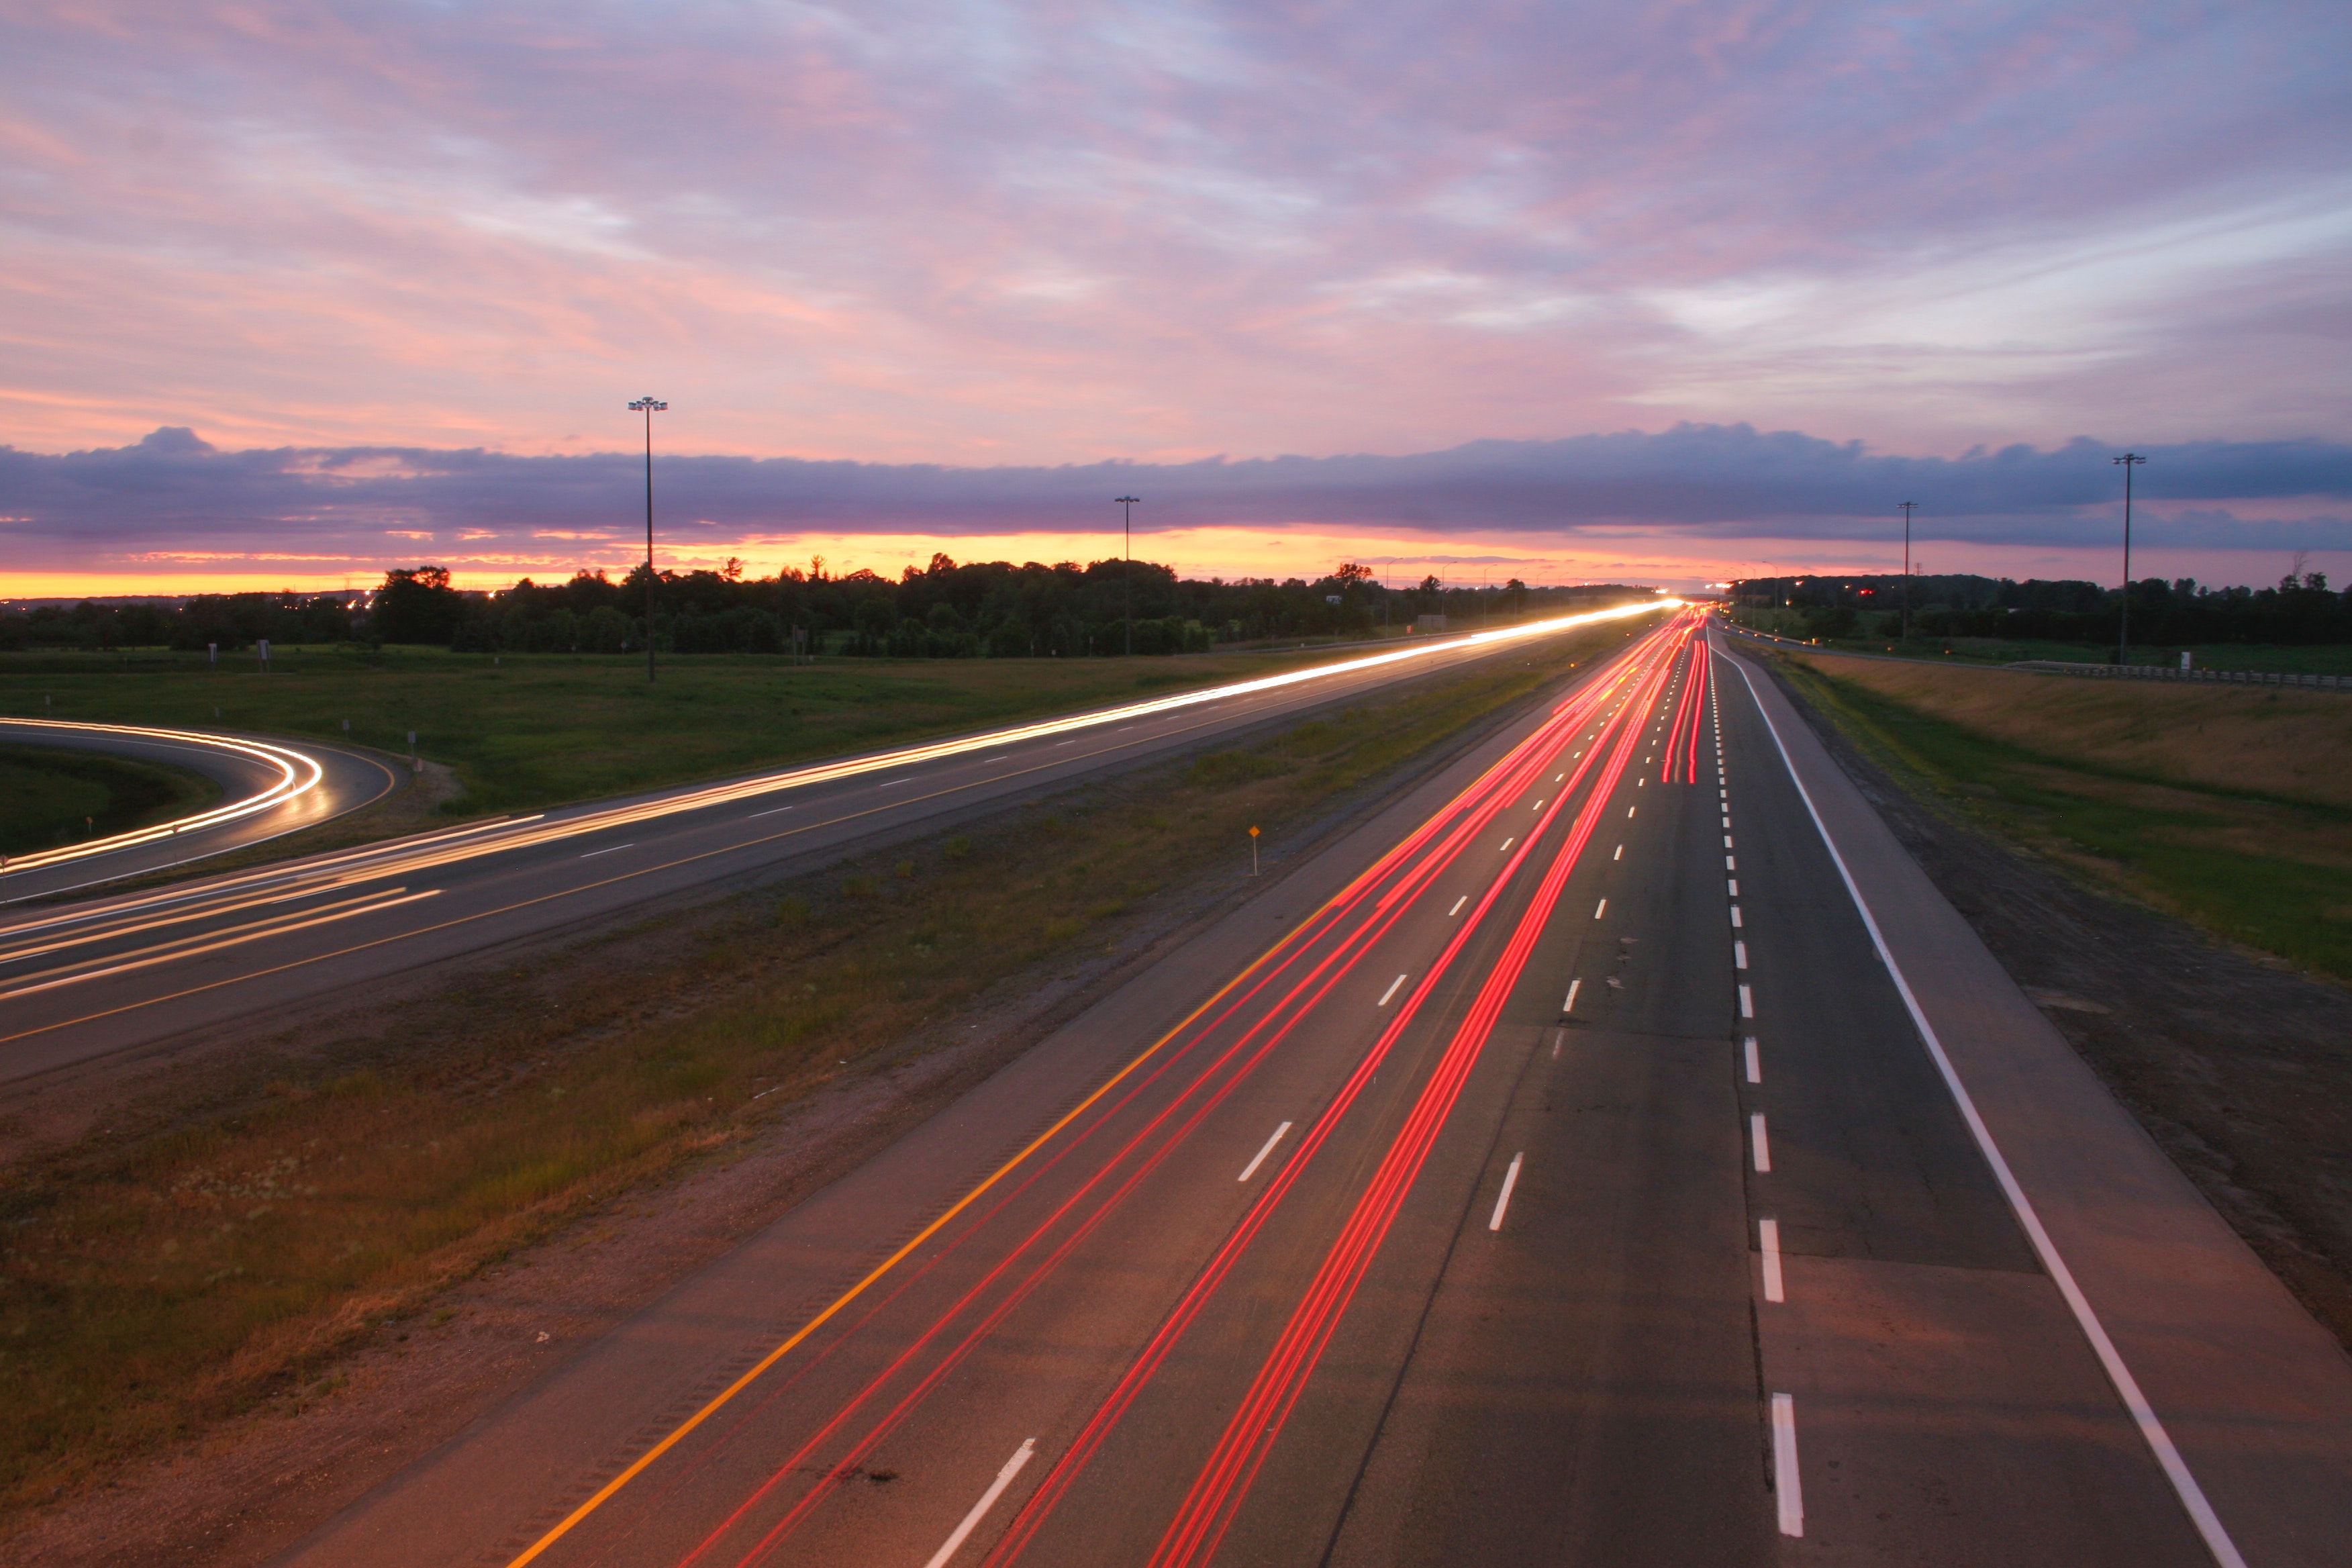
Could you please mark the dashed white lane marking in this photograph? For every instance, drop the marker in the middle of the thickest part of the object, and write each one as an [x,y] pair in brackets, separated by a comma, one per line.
[1746,1004]
[1251,1169]
[1760,1143]
[1620,853]
[1600,908]
[1020,1456]
[1735,917]
[1558,777]
[1790,1495]
[770,812]
[1727,821]
[1538,807]
[1767,1237]
[608,850]
[1510,1180]
[1004,757]
[893,783]
[1734,886]
[1071,741]
[1755,1062]
[1390,991]
[1569,1005]
[1508,843]
[1457,906]
[1738,955]
[1726,841]
[1632,809]
[1729,864]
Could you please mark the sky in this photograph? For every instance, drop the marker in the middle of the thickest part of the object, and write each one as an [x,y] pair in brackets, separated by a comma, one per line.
[1670,292]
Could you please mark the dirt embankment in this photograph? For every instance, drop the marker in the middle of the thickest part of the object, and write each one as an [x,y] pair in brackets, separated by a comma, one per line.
[2241,1068]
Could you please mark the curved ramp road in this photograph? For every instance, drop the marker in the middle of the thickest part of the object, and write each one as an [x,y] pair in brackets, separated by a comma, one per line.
[118,972]
[268,788]
[1602,1155]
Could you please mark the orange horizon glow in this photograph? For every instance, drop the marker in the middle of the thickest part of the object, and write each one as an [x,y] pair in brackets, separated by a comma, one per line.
[1198,554]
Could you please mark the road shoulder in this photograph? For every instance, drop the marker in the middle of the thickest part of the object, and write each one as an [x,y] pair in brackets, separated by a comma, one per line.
[2256,1395]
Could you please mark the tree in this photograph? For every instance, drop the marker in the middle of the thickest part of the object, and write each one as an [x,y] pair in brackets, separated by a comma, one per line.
[417,606]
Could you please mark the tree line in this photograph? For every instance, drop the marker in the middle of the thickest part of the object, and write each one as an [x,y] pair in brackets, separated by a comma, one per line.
[2300,609]
[944,610]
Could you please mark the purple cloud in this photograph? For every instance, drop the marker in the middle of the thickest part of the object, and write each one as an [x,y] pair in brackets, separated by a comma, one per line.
[174,493]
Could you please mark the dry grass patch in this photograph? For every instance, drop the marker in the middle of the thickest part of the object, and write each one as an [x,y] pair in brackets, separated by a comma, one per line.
[2294,745]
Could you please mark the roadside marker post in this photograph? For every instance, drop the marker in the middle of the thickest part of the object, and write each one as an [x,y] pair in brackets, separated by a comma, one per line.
[1253,851]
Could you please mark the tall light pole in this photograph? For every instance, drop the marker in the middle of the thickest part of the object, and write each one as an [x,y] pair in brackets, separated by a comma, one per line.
[649,406]
[1127,505]
[1907,508]
[2130,460]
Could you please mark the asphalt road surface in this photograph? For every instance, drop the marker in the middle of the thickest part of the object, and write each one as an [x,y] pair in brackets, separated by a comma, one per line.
[115,974]
[1611,1153]
[270,787]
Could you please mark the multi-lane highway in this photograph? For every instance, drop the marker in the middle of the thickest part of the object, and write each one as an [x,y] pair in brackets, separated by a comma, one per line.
[114,973]
[1613,1151]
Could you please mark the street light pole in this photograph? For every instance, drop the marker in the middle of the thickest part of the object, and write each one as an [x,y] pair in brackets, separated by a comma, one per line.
[2130,460]
[1127,505]
[1908,507]
[649,406]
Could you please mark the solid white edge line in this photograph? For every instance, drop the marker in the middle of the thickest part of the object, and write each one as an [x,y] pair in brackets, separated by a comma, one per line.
[1389,991]
[1251,1169]
[1020,1456]
[1569,1005]
[2159,1442]
[1760,1142]
[1755,1062]
[1788,1492]
[1510,1180]
[1767,1244]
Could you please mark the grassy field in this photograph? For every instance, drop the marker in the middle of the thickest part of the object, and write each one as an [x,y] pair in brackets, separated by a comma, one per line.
[533,730]
[213,1251]
[2233,807]
[49,797]
[2331,658]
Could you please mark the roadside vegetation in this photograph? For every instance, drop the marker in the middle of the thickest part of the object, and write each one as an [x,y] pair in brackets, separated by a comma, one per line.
[49,797]
[524,731]
[2230,806]
[213,1250]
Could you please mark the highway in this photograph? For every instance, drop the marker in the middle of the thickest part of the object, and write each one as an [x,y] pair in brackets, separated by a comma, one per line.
[270,787]
[109,974]
[1611,1151]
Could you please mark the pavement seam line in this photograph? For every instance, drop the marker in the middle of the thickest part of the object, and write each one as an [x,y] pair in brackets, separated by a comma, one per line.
[2143,1414]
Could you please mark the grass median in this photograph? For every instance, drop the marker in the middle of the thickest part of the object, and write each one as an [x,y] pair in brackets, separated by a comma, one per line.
[524,732]
[218,1248]
[2232,807]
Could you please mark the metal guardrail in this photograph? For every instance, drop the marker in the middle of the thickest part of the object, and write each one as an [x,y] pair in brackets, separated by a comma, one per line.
[2164,672]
